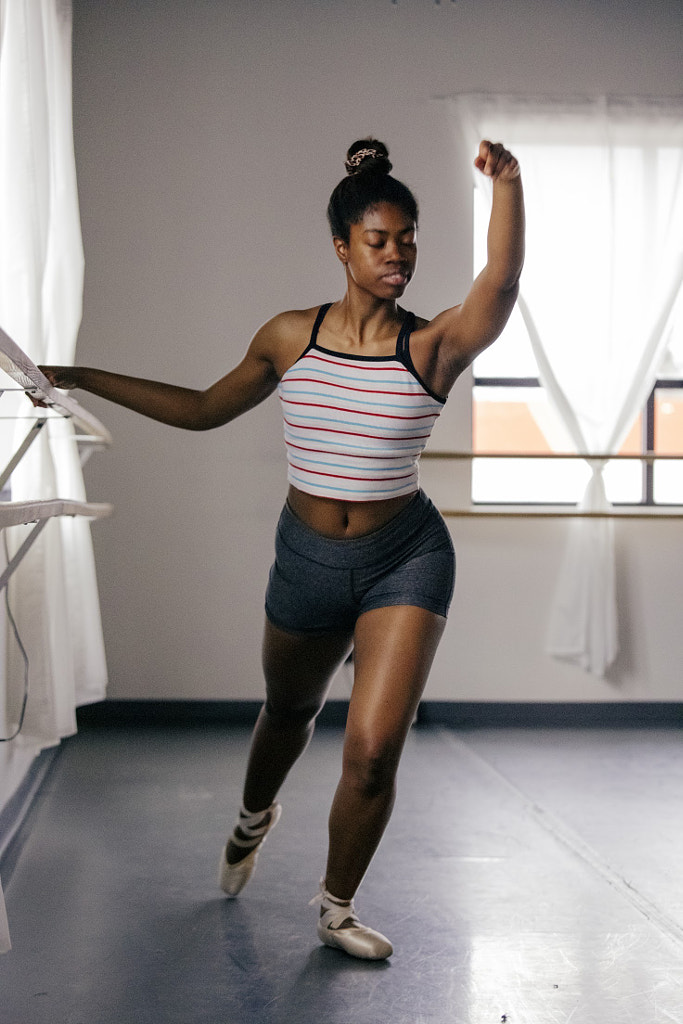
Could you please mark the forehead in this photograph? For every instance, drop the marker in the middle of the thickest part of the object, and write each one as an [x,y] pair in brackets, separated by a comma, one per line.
[386,217]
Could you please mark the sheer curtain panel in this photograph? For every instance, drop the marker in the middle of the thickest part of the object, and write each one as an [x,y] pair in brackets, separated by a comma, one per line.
[603,182]
[54,593]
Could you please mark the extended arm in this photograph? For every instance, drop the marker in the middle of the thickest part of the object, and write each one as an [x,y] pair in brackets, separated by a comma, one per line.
[252,380]
[466,330]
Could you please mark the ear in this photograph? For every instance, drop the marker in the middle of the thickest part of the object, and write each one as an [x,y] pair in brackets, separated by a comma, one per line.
[342,250]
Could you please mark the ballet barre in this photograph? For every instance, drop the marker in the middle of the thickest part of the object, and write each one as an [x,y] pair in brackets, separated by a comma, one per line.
[570,513]
[582,456]
[89,435]
[15,362]
[534,512]
[38,513]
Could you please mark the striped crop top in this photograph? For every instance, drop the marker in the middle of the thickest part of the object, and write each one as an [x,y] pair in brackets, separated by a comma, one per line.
[355,426]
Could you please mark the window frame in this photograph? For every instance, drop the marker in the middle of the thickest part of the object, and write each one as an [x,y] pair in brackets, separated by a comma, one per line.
[648,442]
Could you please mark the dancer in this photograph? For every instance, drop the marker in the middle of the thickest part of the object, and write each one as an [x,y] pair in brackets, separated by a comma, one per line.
[363,559]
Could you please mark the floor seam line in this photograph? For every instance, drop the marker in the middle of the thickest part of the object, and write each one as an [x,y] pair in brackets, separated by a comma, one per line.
[573,842]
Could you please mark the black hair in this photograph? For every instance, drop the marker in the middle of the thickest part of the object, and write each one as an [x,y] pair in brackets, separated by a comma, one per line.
[368,182]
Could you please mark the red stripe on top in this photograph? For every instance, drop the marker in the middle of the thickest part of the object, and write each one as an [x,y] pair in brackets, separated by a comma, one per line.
[348,387]
[365,479]
[356,455]
[352,433]
[361,412]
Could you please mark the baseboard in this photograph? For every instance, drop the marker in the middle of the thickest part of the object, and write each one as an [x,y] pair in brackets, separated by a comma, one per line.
[454,714]
[551,715]
[112,713]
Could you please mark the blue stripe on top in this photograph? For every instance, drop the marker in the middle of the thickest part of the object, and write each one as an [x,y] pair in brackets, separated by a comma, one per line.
[355,426]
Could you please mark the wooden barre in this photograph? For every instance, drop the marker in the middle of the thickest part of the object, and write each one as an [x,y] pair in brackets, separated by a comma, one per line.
[535,513]
[585,456]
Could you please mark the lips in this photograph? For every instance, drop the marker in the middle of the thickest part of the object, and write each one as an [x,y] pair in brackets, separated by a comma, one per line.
[397,277]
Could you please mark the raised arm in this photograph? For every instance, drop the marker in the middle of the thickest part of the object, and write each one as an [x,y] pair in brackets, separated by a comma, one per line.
[464,331]
[252,380]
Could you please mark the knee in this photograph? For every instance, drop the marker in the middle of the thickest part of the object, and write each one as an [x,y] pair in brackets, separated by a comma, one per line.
[286,716]
[370,765]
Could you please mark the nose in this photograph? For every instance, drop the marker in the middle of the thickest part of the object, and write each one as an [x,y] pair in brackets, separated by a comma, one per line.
[393,252]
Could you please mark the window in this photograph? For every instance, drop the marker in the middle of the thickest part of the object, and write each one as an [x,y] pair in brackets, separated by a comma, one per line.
[512,414]
[512,411]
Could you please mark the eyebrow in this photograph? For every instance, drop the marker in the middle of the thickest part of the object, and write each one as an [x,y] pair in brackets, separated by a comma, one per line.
[383,231]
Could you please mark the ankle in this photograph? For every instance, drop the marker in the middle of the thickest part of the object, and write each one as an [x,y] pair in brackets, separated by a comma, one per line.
[328,897]
[330,903]
[340,901]
[248,832]
[253,819]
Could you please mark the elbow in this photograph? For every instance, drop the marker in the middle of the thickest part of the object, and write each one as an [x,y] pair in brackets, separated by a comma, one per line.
[512,287]
[506,270]
[504,277]
[506,284]
[202,424]
[201,416]
[510,274]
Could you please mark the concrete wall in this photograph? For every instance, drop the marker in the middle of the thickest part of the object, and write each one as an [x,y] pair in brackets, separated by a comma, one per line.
[208,137]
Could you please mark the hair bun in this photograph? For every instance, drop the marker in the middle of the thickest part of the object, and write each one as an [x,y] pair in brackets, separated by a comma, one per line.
[368,155]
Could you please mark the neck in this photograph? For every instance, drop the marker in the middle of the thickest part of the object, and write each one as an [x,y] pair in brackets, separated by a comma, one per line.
[365,317]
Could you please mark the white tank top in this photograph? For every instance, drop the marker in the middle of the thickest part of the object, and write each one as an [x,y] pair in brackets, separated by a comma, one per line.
[355,426]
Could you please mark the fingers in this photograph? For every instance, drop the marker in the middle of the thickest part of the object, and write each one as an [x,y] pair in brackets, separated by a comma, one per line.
[63,377]
[39,404]
[49,372]
[496,162]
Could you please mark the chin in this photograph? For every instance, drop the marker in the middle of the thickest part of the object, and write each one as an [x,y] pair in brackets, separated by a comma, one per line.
[393,291]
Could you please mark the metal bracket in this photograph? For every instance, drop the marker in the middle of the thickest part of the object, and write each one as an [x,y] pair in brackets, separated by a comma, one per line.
[35,429]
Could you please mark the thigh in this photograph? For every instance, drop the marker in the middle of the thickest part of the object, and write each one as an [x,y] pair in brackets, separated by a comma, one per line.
[421,572]
[298,667]
[393,653]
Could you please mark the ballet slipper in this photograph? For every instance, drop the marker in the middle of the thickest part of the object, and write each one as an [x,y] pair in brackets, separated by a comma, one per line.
[232,878]
[338,926]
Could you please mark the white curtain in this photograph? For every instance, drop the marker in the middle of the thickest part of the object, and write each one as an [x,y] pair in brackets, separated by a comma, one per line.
[672,366]
[54,593]
[604,189]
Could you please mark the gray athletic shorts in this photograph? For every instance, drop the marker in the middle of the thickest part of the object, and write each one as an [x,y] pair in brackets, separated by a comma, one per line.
[318,584]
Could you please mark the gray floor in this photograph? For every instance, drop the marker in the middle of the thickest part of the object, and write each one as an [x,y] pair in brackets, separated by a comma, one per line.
[528,876]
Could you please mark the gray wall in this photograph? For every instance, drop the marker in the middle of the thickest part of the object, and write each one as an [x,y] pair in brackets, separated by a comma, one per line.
[208,137]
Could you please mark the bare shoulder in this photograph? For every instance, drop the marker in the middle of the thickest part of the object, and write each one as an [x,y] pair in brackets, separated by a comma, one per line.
[283,338]
[437,325]
[291,321]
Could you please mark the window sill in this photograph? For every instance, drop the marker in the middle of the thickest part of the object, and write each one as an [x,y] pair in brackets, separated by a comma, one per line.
[556,512]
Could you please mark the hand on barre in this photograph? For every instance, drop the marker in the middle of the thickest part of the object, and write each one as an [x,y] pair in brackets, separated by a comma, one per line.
[63,377]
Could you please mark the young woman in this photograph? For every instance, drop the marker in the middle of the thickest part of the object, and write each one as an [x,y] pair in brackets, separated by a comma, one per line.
[363,559]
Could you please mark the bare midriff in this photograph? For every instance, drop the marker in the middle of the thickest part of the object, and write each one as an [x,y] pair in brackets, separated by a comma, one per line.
[342,520]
